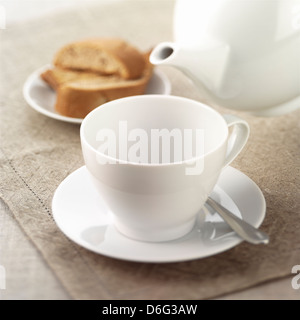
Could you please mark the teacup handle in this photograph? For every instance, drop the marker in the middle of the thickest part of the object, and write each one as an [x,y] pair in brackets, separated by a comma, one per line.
[238,137]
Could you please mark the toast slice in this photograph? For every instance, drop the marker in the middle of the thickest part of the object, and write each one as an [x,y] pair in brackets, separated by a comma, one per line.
[106,56]
[79,97]
[78,93]
[56,77]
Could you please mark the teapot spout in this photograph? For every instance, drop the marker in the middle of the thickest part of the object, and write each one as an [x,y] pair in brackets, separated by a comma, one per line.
[204,66]
[165,53]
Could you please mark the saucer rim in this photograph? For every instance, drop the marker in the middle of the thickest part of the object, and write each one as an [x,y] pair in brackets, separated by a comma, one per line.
[52,114]
[234,240]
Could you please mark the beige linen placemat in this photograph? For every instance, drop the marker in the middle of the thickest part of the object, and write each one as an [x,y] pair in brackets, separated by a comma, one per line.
[37,153]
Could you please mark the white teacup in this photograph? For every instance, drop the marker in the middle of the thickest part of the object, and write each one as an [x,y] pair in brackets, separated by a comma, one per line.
[153,193]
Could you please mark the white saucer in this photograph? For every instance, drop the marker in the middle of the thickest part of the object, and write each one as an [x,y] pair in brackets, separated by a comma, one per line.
[79,212]
[42,98]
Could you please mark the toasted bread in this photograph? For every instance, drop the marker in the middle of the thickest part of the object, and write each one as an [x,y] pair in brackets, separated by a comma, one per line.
[57,77]
[106,56]
[91,72]
[76,98]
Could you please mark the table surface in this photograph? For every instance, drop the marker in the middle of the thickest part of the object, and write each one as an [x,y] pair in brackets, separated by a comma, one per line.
[28,286]
[21,285]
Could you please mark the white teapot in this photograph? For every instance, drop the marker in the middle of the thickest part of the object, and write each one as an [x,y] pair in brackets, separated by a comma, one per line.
[241,54]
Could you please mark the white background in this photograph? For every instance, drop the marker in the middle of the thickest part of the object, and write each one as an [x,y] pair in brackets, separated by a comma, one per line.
[20,10]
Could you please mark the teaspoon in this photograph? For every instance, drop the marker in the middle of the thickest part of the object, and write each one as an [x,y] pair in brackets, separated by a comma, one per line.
[241,227]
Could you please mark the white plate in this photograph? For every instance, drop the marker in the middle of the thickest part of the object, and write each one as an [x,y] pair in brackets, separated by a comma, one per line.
[81,215]
[41,97]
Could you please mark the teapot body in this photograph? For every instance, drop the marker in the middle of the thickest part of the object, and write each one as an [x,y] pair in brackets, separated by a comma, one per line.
[260,69]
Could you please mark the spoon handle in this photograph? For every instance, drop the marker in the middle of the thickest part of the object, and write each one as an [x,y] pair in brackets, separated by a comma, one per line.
[241,227]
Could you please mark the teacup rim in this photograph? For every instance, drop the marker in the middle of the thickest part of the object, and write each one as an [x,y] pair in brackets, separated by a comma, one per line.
[151,96]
